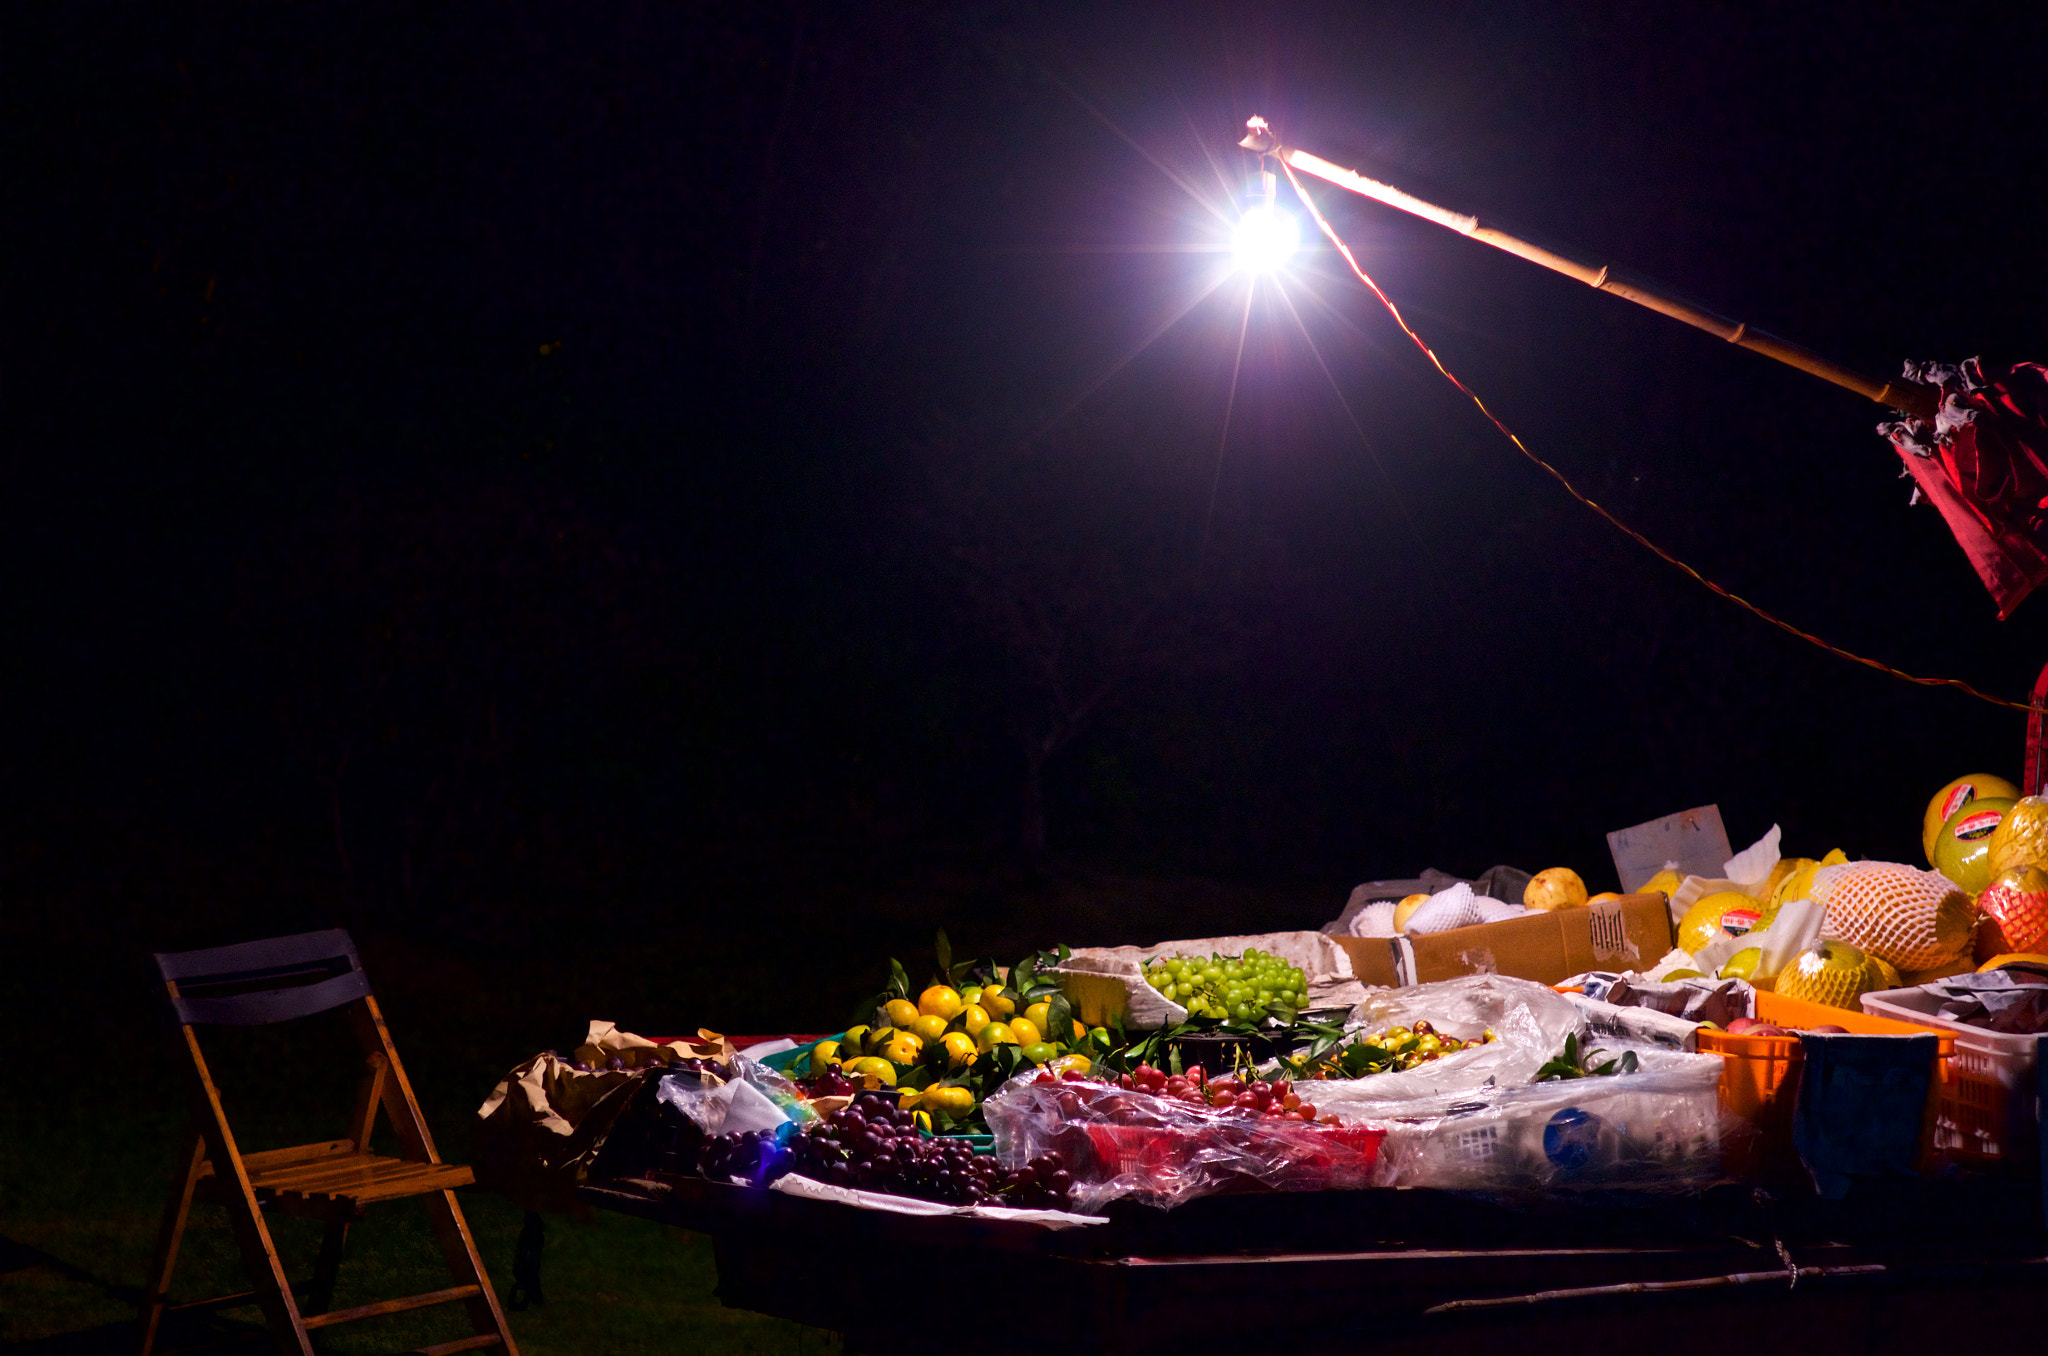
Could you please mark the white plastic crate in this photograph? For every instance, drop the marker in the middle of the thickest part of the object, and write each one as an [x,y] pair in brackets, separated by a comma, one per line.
[1986,1109]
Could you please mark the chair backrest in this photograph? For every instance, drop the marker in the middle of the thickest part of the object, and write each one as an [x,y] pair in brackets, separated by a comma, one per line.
[256,983]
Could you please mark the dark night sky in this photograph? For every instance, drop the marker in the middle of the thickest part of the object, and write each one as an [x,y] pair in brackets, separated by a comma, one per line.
[491,465]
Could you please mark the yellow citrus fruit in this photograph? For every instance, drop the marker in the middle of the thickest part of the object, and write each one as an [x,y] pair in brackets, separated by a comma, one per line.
[1962,850]
[928,1027]
[970,994]
[1602,897]
[856,1039]
[954,1102]
[1025,1030]
[1780,869]
[2021,838]
[994,1034]
[874,1070]
[1406,910]
[999,1002]
[959,1049]
[973,1018]
[1078,1063]
[1665,883]
[1728,911]
[2013,958]
[822,1054]
[940,1000]
[902,1012]
[1080,1031]
[1954,797]
[904,1049]
[1742,965]
[1559,887]
[1832,973]
[1796,882]
[1039,1015]
[1670,975]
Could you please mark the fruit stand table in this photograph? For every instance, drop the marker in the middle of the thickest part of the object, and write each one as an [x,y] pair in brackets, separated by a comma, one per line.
[1904,1272]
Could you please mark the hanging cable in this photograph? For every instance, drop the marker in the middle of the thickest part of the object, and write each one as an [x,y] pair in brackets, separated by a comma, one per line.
[1787,627]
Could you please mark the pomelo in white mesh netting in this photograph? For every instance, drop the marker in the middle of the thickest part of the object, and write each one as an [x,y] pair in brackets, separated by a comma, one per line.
[1915,919]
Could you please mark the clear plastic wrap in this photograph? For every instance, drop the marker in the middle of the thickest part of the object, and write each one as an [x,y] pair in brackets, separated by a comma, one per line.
[1119,1142]
[1531,1021]
[1658,1129]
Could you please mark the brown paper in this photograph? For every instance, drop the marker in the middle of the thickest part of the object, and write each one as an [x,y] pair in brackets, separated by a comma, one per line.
[542,1126]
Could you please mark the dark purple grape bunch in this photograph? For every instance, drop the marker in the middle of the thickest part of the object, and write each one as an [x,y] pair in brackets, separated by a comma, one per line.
[756,1158]
[874,1145]
[1041,1184]
[830,1083]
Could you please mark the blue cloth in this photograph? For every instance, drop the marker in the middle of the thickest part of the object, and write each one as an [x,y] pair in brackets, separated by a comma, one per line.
[1862,1104]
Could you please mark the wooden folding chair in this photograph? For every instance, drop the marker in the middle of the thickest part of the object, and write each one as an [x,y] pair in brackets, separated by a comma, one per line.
[280,980]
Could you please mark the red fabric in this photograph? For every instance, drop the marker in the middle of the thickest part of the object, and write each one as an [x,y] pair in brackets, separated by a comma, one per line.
[1983,461]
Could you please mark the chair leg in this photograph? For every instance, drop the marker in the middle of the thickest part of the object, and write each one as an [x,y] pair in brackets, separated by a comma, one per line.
[266,1273]
[485,1315]
[156,1295]
[333,1241]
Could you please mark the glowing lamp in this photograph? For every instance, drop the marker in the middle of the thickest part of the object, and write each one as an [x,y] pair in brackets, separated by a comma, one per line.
[1265,239]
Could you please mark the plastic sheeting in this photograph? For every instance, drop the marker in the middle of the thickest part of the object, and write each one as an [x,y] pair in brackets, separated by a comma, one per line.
[1119,1142]
[1530,1020]
[1658,1129]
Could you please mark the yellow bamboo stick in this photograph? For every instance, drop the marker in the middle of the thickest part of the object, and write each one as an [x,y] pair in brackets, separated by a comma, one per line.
[1907,396]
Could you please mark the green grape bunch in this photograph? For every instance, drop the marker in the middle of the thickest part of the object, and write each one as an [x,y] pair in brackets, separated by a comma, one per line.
[1240,990]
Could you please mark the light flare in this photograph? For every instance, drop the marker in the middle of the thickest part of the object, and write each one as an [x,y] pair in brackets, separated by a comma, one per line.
[1265,239]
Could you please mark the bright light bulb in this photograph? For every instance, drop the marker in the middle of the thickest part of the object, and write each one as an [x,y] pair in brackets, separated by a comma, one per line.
[1265,239]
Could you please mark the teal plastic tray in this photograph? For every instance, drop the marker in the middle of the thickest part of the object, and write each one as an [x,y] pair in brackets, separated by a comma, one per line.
[782,1063]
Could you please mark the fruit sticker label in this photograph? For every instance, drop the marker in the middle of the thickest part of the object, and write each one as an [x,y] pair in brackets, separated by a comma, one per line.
[1956,800]
[1736,922]
[1977,825]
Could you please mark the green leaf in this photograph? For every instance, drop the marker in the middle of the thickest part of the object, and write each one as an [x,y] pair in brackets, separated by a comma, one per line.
[1065,955]
[899,980]
[1173,1064]
[1022,975]
[1059,1019]
[944,950]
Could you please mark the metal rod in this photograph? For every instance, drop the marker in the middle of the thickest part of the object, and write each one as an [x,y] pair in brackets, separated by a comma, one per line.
[1907,396]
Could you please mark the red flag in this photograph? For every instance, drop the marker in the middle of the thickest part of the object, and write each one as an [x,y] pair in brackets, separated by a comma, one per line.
[1983,461]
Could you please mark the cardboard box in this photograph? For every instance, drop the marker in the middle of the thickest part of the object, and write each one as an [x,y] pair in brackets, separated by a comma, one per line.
[1620,934]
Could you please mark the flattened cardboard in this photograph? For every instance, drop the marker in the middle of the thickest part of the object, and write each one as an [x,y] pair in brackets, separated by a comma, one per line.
[1693,838]
[1621,934]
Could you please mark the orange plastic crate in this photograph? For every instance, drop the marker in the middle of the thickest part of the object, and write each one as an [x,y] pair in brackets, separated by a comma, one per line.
[1760,1076]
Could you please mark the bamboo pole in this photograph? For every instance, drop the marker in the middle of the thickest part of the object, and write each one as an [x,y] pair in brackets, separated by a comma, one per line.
[1907,396]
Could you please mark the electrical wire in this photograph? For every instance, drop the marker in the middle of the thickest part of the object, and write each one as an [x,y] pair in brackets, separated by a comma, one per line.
[1787,627]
